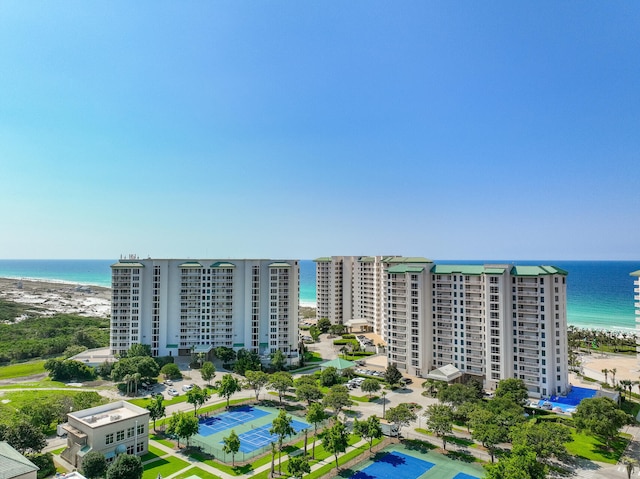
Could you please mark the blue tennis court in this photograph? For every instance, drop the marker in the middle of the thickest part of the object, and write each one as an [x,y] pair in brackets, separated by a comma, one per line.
[394,464]
[260,436]
[462,475]
[229,419]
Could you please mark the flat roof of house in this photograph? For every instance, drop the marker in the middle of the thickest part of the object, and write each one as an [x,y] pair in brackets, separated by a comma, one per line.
[108,413]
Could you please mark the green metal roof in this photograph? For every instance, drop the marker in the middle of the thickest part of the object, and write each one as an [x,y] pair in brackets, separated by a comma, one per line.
[190,264]
[223,264]
[366,259]
[324,259]
[407,259]
[402,269]
[494,270]
[172,345]
[467,269]
[536,270]
[635,273]
[14,464]
[280,265]
[127,264]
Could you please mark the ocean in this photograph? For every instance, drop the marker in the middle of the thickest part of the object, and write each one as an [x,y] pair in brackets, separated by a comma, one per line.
[599,293]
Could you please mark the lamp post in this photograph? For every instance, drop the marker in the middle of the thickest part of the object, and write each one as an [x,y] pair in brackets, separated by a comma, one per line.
[135,440]
[384,402]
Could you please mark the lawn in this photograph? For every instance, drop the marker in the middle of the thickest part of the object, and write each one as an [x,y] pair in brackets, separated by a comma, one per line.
[590,447]
[22,370]
[196,471]
[166,467]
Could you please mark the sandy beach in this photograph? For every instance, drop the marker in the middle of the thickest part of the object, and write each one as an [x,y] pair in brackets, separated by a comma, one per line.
[58,297]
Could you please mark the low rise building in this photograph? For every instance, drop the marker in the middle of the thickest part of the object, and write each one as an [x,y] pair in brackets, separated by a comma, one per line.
[110,429]
[14,465]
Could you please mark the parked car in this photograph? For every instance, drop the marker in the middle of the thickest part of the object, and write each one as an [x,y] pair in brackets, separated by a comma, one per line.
[172,392]
[168,382]
[187,387]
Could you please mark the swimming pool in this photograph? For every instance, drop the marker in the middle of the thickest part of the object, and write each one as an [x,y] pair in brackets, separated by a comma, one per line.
[569,402]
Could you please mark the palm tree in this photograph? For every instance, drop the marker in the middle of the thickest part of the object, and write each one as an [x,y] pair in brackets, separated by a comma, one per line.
[613,376]
[136,378]
[630,464]
[128,378]
[605,371]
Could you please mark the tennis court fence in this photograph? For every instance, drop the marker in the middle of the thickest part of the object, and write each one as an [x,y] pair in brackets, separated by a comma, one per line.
[244,457]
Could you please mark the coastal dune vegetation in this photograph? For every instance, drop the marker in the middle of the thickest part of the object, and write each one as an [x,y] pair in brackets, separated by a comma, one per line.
[28,336]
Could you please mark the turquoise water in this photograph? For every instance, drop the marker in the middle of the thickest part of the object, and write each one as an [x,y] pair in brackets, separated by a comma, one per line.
[599,293]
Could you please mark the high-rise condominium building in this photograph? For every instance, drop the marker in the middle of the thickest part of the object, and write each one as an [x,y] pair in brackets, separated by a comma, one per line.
[178,306]
[489,321]
[636,297]
[353,288]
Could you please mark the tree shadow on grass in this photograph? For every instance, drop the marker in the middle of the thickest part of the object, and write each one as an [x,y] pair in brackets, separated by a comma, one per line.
[461,456]
[417,445]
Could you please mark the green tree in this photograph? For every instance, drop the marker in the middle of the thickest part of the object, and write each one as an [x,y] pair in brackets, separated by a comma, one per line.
[369,429]
[41,412]
[225,354]
[231,445]
[401,415]
[247,360]
[315,415]
[337,398]
[337,329]
[308,391]
[457,394]
[370,386]
[171,371]
[256,380]
[545,439]
[520,464]
[208,371]
[278,360]
[329,376]
[280,382]
[336,439]
[198,396]
[183,425]
[298,466]
[227,387]
[324,324]
[156,408]
[601,417]
[125,466]
[138,350]
[281,427]
[94,465]
[392,375]
[440,421]
[485,429]
[86,399]
[24,437]
[314,332]
[513,388]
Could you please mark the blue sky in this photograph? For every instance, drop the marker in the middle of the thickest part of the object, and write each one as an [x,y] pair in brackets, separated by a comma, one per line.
[457,130]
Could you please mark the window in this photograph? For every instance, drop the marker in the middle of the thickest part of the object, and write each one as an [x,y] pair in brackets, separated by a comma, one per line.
[109,439]
[141,429]
[120,435]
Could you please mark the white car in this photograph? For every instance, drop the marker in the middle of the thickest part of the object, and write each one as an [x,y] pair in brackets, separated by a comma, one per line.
[172,392]
[187,387]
